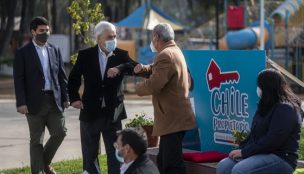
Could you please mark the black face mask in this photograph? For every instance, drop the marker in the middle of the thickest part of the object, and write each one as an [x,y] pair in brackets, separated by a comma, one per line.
[43,37]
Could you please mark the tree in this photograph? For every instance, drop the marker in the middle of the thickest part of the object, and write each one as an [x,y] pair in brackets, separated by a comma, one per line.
[9,28]
[85,16]
[26,16]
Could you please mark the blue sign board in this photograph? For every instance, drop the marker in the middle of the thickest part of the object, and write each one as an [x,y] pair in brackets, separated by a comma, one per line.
[224,93]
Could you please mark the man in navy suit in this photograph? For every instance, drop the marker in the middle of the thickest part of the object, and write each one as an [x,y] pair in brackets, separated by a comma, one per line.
[102,69]
[41,94]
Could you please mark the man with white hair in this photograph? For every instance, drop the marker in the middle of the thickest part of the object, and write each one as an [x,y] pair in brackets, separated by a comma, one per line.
[169,86]
[102,68]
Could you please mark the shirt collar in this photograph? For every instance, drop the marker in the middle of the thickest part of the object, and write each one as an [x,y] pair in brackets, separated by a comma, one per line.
[38,46]
[170,43]
[103,53]
[125,166]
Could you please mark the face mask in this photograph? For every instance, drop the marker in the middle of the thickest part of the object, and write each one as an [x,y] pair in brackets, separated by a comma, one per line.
[259,92]
[153,49]
[119,156]
[42,37]
[111,45]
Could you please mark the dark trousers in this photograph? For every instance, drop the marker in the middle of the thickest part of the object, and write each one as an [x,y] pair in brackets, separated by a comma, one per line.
[49,116]
[90,138]
[170,156]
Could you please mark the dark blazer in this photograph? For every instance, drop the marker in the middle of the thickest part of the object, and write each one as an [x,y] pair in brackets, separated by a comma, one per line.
[142,165]
[29,78]
[278,132]
[96,88]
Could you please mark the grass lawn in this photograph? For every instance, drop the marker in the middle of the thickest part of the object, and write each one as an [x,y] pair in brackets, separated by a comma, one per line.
[75,166]
[301,153]
[62,167]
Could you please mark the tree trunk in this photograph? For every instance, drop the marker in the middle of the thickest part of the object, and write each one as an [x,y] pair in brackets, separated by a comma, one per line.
[24,17]
[3,13]
[24,24]
[127,6]
[9,27]
[33,4]
[48,13]
[54,16]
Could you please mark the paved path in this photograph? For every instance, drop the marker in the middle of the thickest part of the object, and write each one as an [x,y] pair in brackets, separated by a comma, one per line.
[14,134]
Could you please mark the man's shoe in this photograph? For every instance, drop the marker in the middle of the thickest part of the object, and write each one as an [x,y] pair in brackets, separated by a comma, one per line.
[49,170]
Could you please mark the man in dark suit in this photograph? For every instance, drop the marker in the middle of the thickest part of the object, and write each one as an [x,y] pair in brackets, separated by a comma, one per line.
[41,94]
[101,107]
[131,150]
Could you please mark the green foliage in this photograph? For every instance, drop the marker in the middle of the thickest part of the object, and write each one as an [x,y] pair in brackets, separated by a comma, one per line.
[301,149]
[66,166]
[85,16]
[299,171]
[74,58]
[7,59]
[140,120]
[239,136]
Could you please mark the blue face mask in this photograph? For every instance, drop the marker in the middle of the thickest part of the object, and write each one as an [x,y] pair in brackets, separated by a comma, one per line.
[111,45]
[119,156]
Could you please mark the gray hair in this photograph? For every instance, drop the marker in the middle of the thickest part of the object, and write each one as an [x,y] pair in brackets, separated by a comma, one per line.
[103,26]
[164,31]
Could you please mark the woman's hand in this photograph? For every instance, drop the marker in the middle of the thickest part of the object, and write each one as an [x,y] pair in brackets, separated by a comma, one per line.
[235,154]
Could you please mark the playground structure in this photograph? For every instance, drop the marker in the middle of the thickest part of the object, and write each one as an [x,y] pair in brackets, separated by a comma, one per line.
[283,31]
[286,14]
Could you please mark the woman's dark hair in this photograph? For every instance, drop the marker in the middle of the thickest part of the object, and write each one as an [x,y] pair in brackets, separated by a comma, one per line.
[274,90]
[39,20]
[131,137]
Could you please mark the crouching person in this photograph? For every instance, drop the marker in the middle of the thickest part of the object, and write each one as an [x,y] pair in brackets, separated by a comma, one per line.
[131,152]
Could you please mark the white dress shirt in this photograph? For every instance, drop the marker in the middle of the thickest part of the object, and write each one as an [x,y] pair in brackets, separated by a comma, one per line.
[124,167]
[44,60]
[103,60]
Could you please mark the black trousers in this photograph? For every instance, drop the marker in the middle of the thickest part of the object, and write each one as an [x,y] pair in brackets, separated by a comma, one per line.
[51,118]
[90,137]
[170,157]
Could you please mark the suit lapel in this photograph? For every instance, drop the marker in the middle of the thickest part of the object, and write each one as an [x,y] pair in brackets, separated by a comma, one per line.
[51,56]
[135,164]
[36,57]
[96,61]
[108,65]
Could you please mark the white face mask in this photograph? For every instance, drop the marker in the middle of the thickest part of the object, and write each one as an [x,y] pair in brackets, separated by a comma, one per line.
[259,92]
[111,45]
[119,156]
[153,49]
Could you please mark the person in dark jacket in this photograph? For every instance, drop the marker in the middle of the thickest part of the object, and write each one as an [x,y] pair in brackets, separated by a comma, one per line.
[41,94]
[273,142]
[131,152]
[102,69]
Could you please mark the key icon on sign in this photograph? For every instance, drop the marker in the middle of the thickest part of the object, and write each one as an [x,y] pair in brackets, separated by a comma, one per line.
[215,77]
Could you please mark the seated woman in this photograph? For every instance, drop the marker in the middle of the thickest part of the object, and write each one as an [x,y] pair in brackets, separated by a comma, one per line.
[273,142]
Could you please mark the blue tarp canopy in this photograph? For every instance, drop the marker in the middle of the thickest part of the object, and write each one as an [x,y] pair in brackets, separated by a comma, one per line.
[146,18]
